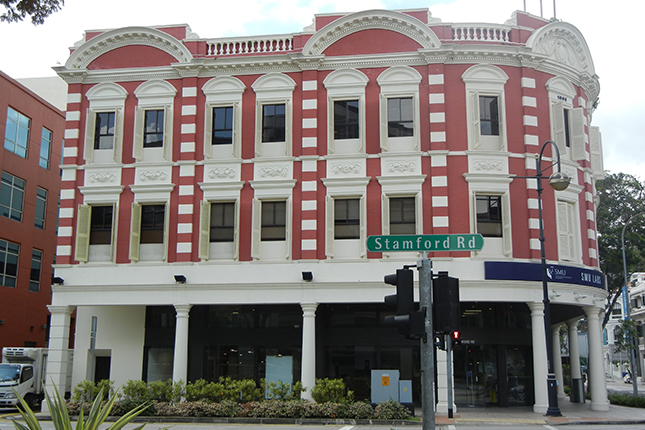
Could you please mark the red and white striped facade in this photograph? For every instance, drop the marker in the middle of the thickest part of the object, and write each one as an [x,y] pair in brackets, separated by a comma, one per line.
[536,69]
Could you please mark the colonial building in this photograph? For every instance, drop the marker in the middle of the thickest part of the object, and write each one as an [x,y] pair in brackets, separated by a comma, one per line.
[33,131]
[218,195]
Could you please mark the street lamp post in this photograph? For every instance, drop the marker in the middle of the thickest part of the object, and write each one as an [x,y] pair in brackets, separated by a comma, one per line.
[627,310]
[559,181]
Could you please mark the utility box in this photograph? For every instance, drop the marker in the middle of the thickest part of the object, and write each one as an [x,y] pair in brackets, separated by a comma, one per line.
[405,391]
[385,385]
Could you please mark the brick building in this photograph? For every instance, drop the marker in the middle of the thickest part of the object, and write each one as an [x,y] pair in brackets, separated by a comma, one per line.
[218,194]
[33,132]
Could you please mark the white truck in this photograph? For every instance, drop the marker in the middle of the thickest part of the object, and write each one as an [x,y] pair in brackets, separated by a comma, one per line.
[23,371]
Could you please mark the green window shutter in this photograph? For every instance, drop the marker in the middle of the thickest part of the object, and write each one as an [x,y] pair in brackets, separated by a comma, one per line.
[139,124]
[135,231]
[83,224]
[204,229]
[90,125]
[578,150]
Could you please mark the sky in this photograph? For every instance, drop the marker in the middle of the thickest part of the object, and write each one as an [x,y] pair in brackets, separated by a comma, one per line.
[610,29]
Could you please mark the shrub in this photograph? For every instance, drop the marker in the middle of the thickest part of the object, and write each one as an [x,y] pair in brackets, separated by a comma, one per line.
[135,392]
[199,409]
[87,391]
[167,391]
[391,410]
[283,391]
[331,390]
[627,400]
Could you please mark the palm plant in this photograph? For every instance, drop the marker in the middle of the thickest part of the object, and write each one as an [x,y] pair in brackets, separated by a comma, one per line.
[60,416]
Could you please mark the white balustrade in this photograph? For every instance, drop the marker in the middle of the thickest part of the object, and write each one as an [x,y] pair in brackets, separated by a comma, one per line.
[480,33]
[253,45]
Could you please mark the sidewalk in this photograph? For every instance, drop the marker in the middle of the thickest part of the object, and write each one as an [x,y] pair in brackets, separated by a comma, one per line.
[572,413]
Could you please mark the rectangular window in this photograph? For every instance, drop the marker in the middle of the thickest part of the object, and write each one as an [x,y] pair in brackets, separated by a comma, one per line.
[101,225]
[16,134]
[402,215]
[274,221]
[222,125]
[36,265]
[45,148]
[273,123]
[488,115]
[41,208]
[222,222]
[567,128]
[347,219]
[152,223]
[9,253]
[346,119]
[153,131]
[12,194]
[400,117]
[489,216]
[104,130]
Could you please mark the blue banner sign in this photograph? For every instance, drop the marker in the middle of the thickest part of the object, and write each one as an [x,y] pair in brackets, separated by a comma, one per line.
[513,271]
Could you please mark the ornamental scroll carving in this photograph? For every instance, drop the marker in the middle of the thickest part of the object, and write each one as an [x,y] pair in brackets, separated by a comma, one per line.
[401,167]
[152,175]
[221,173]
[273,172]
[488,165]
[346,169]
[102,178]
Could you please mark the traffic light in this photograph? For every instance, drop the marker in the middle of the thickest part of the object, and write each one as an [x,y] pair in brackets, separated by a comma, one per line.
[408,322]
[445,294]
[456,339]
[440,341]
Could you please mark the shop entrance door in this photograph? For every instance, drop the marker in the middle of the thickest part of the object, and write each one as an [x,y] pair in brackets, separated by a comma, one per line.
[476,378]
[492,375]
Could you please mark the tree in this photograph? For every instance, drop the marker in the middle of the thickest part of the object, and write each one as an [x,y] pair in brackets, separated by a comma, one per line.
[624,334]
[38,10]
[621,197]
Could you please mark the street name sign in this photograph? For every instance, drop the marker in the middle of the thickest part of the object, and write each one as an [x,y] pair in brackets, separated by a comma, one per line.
[426,242]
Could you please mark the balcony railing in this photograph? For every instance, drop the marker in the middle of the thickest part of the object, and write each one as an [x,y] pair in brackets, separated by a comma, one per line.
[481,33]
[250,45]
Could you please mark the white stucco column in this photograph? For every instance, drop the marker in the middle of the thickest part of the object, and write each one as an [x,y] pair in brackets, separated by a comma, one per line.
[557,359]
[539,357]
[308,366]
[58,350]
[180,361]
[574,349]
[597,382]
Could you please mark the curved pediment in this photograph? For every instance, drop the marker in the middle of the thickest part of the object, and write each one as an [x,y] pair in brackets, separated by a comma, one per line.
[368,20]
[124,37]
[563,43]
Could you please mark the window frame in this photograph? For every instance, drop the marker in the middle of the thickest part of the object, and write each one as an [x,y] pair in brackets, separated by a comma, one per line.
[233,226]
[403,222]
[571,251]
[14,191]
[153,95]
[351,127]
[104,97]
[493,121]
[229,112]
[4,262]
[504,243]
[34,281]
[399,82]
[279,225]
[488,81]
[97,126]
[273,89]
[136,224]
[41,201]
[45,148]
[160,127]
[20,140]
[400,121]
[346,222]
[280,130]
[490,219]
[221,92]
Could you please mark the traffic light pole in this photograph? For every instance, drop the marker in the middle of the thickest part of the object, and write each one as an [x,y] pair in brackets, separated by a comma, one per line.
[424,265]
[449,373]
